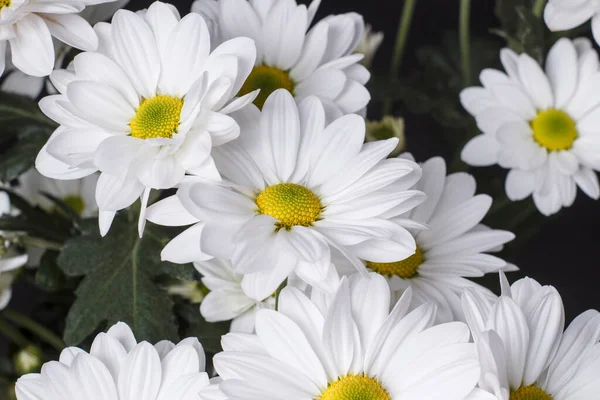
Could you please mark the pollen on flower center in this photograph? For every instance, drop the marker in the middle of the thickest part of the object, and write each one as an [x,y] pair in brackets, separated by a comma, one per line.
[290,204]
[355,387]
[267,79]
[5,3]
[157,117]
[530,393]
[554,129]
[405,269]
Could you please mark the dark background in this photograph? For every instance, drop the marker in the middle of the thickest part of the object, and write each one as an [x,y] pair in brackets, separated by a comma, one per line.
[559,251]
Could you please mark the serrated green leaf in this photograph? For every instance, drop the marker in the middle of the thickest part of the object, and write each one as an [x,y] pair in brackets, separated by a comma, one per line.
[119,284]
[194,325]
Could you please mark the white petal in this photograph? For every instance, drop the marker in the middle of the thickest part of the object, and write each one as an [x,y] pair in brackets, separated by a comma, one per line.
[32,49]
[72,29]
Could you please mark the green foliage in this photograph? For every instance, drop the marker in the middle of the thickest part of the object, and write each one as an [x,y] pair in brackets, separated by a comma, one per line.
[23,132]
[194,325]
[119,284]
[523,31]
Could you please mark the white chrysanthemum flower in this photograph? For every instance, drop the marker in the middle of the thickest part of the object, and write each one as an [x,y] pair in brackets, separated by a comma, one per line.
[18,82]
[316,61]
[79,194]
[369,45]
[226,299]
[357,349]
[119,368]
[146,109]
[562,15]
[30,25]
[294,187]
[453,247]
[543,126]
[523,351]
[454,244]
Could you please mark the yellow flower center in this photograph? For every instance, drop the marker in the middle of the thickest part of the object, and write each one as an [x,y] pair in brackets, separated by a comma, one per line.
[76,203]
[530,393]
[554,129]
[405,269]
[157,117]
[5,3]
[290,204]
[267,79]
[355,387]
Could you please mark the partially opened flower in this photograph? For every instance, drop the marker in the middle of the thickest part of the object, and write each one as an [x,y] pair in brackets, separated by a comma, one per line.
[317,61]
[28,26]
[562,15]
[226,299]
[452,244]
[357,349]
[294,188]
[542,125]
[119,368]
[523,351]
[369,45]
[146,109]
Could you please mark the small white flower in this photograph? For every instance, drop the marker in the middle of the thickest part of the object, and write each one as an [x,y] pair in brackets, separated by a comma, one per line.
[226,299]
[562,15]
[452,248]
[146,109]
[79,194]
[19,82]
[357,349]
[523,351]
[119,368]
[316,61]
[294,188]
[369,45]
[543,126]
[29,25]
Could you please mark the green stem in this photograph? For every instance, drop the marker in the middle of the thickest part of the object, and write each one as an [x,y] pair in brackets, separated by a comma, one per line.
[42,332]
[538,7]
[465,46]
[401,38]
[13,334]
[29,241]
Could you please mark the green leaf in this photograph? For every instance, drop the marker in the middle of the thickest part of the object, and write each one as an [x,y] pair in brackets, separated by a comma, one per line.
[48,276]
[119,272]
[24,129]
[194,325]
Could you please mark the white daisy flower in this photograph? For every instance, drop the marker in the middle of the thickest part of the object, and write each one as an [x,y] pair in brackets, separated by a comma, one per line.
[562,15]
[523,351]
[369,45]
[226,299]
[28,26]
[543,126]
[19,82]
[119,368]
[358,349]
[146,109]
[453,247]
[318,61]
[79,194]
[294,188]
